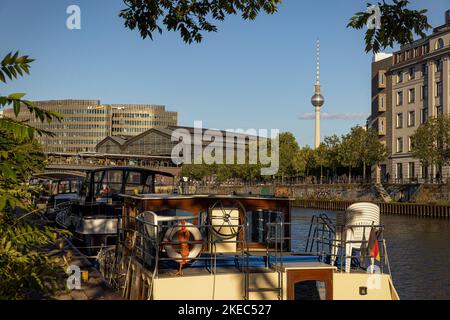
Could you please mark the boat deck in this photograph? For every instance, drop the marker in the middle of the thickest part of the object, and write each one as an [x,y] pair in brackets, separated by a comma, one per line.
[258,263]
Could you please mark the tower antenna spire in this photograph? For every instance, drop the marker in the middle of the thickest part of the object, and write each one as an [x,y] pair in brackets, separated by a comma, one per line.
[318,63]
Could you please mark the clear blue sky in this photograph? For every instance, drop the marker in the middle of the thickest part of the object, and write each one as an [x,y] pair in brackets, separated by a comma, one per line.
[256,74]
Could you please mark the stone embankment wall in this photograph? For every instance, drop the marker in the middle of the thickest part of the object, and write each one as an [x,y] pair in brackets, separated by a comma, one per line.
[423,194]
[336,192]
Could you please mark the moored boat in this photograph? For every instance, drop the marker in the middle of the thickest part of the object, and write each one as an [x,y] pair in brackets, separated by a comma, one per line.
[235,247]
[93,217]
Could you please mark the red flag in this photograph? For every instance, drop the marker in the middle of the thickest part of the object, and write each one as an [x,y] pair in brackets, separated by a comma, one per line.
[375,251]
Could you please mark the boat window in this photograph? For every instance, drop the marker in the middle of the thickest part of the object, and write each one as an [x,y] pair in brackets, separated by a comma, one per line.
[54,188]
[310,290]
[148,186]
[113,176]
[98,176]
[108,183]
[64,187]
[134,183]
[134,177]
[74,186]
[86,186]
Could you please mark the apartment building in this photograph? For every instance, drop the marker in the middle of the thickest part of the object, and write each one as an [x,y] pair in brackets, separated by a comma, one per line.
[87,122]
[408,87]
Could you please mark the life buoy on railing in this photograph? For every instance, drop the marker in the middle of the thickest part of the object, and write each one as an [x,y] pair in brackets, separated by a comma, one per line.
[194,250]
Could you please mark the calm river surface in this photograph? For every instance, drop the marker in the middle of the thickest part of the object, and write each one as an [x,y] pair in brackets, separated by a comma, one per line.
[418,251]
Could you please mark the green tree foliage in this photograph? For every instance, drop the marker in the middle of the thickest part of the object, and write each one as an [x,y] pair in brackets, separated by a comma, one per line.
[398,25]
[348,155]
[373,151]
[12,67]
[288,150]
[24,270]
[300,163]
[189,17]
[361,148]
[321,158]
[431,142]
[332,144]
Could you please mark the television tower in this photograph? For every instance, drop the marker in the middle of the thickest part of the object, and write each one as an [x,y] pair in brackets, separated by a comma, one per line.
[317,100]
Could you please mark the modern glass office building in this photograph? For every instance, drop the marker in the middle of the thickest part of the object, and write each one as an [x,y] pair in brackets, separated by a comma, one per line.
[87,122]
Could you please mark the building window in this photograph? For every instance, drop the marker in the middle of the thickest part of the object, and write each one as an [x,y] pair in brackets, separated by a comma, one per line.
[439,65]
[416,52]
[412,95]
[399,171]
[411,170]
[399,145]
[424,94]
[439,89]
[399,98]
[399,120]
[400,77]
[411,119]
[440,44]
[424,116]
[382,78]
[426,48]
[411,73]
[424,170]
[382,103]
[424,69]
[410,144]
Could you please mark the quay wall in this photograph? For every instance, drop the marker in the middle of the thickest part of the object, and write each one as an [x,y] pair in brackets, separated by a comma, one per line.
[340,197]
[402,209]
[319,192]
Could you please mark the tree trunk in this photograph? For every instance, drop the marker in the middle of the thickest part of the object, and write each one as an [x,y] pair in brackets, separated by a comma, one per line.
[349,175]
[321,174]
[364,172]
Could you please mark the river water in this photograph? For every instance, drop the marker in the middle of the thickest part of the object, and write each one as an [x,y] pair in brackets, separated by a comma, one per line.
[418,251]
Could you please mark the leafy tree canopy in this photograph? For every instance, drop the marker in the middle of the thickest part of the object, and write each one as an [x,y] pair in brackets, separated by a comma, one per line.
[25,270]
[398,25]
[191,18]
[431,142]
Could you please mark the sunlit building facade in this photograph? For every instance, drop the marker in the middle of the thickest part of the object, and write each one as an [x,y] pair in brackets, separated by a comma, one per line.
[87,122]
[408,87]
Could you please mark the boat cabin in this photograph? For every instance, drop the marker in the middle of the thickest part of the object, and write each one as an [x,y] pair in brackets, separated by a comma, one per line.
[60,188]
[93,218]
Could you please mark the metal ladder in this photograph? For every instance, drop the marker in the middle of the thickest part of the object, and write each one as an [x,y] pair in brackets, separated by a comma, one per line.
[277,254]
[314,230]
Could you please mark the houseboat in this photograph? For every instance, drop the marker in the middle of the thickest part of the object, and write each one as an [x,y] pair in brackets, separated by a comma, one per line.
[244,247]
[94,216]
[60,189]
